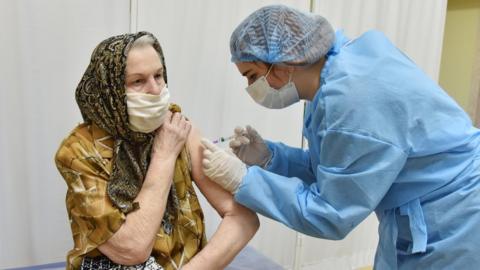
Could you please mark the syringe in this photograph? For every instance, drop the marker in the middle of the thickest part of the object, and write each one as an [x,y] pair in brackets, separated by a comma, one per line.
[223,139]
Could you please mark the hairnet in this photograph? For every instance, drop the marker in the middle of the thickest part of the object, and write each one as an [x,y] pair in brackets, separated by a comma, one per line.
[280,34]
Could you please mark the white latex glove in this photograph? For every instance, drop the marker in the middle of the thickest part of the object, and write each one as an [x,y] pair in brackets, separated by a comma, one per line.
[250,147]
[222,167]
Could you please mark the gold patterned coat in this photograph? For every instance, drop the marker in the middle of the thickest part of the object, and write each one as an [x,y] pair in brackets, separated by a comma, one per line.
[84,159]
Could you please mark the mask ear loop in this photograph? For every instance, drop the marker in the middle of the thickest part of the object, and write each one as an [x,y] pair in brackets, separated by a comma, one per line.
[290,76]
[163,89]
[268,71]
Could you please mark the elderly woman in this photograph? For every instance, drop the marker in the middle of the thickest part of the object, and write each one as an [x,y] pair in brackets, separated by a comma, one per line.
[129,169]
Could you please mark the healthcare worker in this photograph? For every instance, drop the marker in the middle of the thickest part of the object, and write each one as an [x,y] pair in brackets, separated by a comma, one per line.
[381,135]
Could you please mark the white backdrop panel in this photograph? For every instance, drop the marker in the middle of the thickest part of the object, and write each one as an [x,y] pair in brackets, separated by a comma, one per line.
[416,27]
[46,46]
[195,36]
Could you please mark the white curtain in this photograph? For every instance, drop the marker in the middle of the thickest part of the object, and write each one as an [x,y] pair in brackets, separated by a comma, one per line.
[416,27]
[46,46]
[195,36]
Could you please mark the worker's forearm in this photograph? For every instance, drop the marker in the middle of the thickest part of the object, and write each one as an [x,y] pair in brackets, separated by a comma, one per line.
[133,242]
[232,235]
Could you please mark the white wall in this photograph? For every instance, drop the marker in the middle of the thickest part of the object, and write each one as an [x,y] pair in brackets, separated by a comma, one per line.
[46,46]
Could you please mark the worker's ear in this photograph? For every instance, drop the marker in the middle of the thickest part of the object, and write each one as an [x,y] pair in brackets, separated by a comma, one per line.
[282,73]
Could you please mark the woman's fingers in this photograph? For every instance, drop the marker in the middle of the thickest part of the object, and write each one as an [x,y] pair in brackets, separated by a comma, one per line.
[168,117]
[176,118]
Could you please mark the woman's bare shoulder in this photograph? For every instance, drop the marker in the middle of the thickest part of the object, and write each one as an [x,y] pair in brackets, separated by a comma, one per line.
[195,149]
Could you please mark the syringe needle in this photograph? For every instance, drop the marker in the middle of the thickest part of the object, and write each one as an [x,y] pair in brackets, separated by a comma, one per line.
[223,139]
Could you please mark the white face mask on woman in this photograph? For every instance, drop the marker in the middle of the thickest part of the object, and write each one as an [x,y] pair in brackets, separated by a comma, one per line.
[146,112]
[271,98]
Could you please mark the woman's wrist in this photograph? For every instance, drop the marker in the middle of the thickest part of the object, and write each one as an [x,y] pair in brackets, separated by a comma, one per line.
[163,156]
[161,168]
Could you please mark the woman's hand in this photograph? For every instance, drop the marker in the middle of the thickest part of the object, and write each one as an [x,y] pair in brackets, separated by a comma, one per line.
[133,242]
[171,136]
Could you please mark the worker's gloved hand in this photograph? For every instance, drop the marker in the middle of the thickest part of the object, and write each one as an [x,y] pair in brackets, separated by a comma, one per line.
[223,167]
[250,147]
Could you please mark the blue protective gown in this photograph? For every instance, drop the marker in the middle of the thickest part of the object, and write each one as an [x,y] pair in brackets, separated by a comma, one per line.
[382,137]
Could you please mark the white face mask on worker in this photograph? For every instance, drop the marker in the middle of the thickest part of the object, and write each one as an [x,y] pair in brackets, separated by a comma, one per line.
[271,98]
[147,112]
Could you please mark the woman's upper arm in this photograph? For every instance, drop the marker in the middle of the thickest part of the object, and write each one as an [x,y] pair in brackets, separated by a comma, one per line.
[219,198]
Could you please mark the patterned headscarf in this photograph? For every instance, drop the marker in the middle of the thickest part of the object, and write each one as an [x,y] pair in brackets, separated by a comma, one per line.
[101,98]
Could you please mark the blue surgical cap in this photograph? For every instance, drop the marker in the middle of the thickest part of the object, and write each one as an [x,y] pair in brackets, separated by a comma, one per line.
[280,34]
